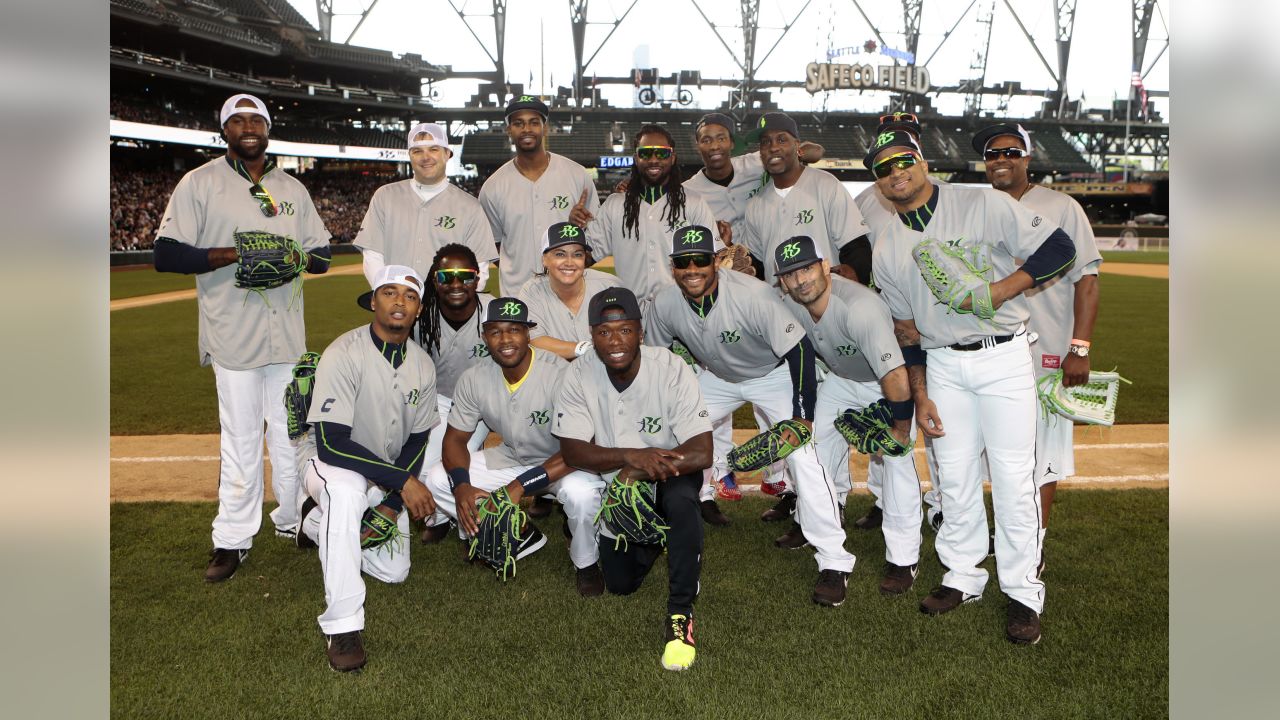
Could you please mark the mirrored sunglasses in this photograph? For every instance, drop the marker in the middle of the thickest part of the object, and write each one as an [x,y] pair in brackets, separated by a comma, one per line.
[466,277]
[649,152]
[1012,153]
[900,161]
[265,201]
[700,259]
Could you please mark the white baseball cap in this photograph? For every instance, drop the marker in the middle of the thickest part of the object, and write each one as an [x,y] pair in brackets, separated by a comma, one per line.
[435,136]
[229,108]
[398,275]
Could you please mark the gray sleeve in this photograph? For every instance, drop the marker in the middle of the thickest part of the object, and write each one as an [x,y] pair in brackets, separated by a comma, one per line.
[1014,227]
[599,234]
[573,416]
[536,308]
[774,323]
[371,236]
[688,410]
[317,235]
[184,215]
[1076,224]
[465,413]
[479,233]
[491,211]
[428,412]
[894,297]
[751,232]
[844,219]
[334,396]
[871,327]
[697,212]
[658,334]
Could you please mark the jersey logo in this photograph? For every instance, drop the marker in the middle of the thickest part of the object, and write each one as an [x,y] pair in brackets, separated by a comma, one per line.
[480,351]
[846,350]
[560,202]
[446,222]
[790,250]
[691,237]
[1036,222]
[539,417]
[570,231]
[804,217]
[650,425]
[286,208]
[729,336]
[411,398]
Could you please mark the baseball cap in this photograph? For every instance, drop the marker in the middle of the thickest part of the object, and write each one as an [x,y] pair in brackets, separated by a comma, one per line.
[508,309]
[229,108]
[391,275]
[900,121]
[615,297]
[717,119]
[987,134]
[435,136]
[888,139]
[526,102]
[775,121]
[563,233]
[797,252]
[692,239]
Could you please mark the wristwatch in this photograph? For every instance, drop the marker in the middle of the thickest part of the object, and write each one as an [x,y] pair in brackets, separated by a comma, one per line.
[1080,350]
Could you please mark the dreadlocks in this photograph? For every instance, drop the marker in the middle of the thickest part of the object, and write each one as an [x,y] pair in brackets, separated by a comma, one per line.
[429,320]
[636,187]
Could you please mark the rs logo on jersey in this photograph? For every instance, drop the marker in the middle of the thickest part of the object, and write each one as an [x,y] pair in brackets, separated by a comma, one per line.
[480,351]
[729,336]
[846,350]
[804,217]
[284,208]
[446,222]
[539,417]
[650,425]
[412,397]
[560,202]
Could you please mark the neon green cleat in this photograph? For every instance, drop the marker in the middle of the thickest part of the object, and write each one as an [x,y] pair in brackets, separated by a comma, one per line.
[679,652]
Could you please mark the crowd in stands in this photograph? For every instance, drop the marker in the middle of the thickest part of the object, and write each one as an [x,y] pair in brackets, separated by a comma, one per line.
[132,110]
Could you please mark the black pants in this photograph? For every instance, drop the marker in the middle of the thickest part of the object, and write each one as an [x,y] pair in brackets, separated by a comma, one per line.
[626,567]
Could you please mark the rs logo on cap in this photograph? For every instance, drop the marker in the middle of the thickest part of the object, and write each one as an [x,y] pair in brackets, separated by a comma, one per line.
[511,309]
[569,231]
[884,137]
[790,250]
[692,237]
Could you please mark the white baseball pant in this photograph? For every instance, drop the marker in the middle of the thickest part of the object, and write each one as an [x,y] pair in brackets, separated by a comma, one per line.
[987,398]
[435,441]
[1055,449]
[722,441]
[581,494]
[817,509]
[342,497]
[245,398]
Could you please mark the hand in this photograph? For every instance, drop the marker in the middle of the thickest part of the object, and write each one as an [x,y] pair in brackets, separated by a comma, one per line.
[515,491]
[622,186]
[726,232]
[579,215]
[927,418]
[465,498]
[222,257]
[845,271]
[1075,370]
[417,499]
[791,434]
[901,431]
[656,463]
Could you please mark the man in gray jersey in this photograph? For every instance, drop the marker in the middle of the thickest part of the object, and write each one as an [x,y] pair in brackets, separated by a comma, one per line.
[756,352]
[1063,310]
[250,337]
[979,374]
[636,413]
[410,220]
[533,190]
[514,395]
[371,411]
[852,332]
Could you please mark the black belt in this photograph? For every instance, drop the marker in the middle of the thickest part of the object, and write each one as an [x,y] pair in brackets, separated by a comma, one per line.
[986,342]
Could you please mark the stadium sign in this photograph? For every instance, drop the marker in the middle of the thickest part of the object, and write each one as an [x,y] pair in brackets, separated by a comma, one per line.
[205,138]
[820,77]
[615,161]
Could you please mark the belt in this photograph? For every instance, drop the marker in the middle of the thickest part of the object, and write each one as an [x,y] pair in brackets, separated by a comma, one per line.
[986,342]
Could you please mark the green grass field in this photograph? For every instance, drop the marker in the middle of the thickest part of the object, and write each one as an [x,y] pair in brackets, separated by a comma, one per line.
[146,281]
[1146,257]
[453,642]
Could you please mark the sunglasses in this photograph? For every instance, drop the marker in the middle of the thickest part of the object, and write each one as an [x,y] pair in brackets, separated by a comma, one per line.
[649,152]
[901,161]
[1010,153]
[899,117]
[265,201]
[682,262]
[466,277]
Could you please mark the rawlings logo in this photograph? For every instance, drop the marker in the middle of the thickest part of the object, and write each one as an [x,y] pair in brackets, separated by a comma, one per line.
[790,250]
[1052,362]
[511,309]
[560,202]
[1036,222]
[804,217]
[538,417]
[650,425]
[729,336]
[691,237]
[446,222]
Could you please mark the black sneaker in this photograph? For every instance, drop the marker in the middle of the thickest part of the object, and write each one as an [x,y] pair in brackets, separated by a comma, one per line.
[782,510]
[1023,626]
[432,534]
[711,513]
[532,542]
[345,651]
[944,599]
[303,541]
[934,518]
[831,588]
[872,520]
[223,564]
[541,507]
[898,578]
[590,581]
[792,539]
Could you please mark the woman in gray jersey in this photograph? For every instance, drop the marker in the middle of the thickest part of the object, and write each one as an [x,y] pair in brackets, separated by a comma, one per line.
[557,296]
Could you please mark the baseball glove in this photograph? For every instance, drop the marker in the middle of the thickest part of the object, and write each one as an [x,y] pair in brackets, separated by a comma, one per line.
[735,257]
[628,513]
[868,431]
[297,394]
[955,274]
[378,527]
[770,446]
[267,260]
[1093,402]
[498,537]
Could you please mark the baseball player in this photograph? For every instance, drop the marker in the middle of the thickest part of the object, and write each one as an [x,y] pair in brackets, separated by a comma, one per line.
[251,338]
[637,411]
[852,331]
[514,395]
[410,220]
[371,413]
[979,379]
[558,296]
[1063,310]
[756,352]
[533,190]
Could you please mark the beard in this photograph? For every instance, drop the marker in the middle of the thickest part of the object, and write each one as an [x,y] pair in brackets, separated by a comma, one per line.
[250,153]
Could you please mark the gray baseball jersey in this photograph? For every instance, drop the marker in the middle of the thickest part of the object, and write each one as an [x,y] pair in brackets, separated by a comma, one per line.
[661,408]
[817,206]
[877,211]
[407,231]
[460,349]
[520,211]
[729,203]
[987,220]
[356,386]
[643,261]
[743,337]
[522,418]
[1052,305]
[552,316]
[855,336]
[242,329]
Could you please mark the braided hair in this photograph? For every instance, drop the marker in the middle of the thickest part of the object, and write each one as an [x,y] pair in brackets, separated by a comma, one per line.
[673,188]
[429,319]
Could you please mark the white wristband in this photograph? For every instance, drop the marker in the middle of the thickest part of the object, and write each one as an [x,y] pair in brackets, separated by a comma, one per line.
[581,348]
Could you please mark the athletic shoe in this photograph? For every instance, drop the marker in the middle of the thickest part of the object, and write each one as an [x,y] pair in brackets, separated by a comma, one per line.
[541,507]
[679,651]
[898,578]
[433,534]
[934,519]
[777,489]
[944,599]
[301,539]
[223,564]
[532,542]
[345,651]
[792,539]
[727,488]
[872,520]
[831,588]
[590,581]
[290,535]
[1023,626]
[711,513]
[782,510]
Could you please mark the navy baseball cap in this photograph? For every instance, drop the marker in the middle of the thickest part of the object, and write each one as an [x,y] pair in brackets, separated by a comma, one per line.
[508,309]
[774,121]
[717,119]
[795,253]
[611,298]
[563,233]
[888,139]
[526,102]
[987,134]
[692,240]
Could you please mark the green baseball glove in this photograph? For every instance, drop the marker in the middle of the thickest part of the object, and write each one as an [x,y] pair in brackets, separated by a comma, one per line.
[770,446]
[628,513]
[498,537]
[868,430]
[267,260]
[955,274]
[378,527]
[297,394]
[1093,402]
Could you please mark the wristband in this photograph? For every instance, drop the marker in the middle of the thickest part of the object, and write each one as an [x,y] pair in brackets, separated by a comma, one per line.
[1081,343]
[533,479]
[900,409]
[912,355]
[581,348]
[458,477]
